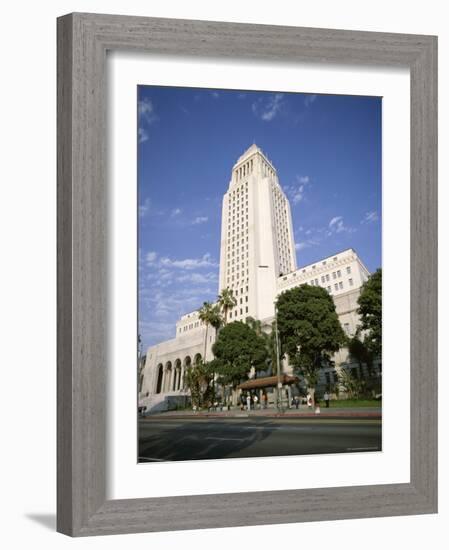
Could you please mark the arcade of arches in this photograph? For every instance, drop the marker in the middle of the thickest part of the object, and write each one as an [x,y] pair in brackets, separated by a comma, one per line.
[171,376]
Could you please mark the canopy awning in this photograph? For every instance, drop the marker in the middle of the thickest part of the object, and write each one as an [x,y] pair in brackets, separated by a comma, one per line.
[267,382]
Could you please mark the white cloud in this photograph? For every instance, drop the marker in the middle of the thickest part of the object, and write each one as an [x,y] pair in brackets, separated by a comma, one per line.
[145,110]
[335,221]
[336,225]
[143,135]
[151,257]
[267,109]
[176,212]
[198,278]
[165,264]
[144,208]
[189,263]
[296,191]
[306,244]
[370,217]
[147,115]
[200,219]
[309,99]
[215,95]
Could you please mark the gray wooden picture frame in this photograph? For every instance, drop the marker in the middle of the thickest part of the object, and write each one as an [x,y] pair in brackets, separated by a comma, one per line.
[83,41]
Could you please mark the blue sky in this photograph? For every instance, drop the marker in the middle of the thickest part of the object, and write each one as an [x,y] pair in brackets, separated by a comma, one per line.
[327,152]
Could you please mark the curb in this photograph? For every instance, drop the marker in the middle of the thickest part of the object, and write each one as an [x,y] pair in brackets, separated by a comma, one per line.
[375,415]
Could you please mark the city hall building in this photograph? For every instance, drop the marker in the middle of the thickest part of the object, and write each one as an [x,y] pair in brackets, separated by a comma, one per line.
[258,262]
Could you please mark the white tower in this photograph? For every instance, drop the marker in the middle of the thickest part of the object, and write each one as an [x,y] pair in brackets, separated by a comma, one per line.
[257,244]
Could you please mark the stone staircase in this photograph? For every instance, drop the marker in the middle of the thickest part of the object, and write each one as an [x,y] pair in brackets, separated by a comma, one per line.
[160,402]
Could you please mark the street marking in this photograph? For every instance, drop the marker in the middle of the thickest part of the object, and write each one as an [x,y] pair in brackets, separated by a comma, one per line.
[227,438]
[272,427]
[329,421]
[362,449]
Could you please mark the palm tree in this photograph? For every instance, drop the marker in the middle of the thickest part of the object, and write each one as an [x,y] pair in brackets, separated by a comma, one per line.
[209,314]
[269,339]
[226,301]
[256,325]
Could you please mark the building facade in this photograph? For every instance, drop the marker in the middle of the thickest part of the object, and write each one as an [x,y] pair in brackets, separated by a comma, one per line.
[258,262]
[257,244]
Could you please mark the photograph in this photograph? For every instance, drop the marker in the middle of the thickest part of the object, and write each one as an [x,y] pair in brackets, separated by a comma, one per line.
[259,329]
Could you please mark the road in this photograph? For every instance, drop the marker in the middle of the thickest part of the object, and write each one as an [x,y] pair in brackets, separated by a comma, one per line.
[165,439]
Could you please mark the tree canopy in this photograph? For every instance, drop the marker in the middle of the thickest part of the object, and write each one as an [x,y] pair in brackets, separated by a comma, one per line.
[198,380]
[226,302]
[360,352]
[370,311]
[237,349]
[209,314]
[309,329]
[268,336]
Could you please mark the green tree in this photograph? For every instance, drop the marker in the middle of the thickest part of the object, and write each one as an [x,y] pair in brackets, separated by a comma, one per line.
[359,352]
[237,349]
[227,302]
[370,311]
[309,330]
[198,380]
[268,338]
[209,314]
[353,386]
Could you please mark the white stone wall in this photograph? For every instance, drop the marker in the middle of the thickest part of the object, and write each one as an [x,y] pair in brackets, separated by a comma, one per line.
[188,323]
[173,357]
[257,242]
[338,274]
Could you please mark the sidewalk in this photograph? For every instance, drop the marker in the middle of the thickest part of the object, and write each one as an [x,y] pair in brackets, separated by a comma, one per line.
[303,411]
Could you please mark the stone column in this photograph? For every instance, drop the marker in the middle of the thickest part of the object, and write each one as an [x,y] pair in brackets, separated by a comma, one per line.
[170,379]
[164,379]
[181,382]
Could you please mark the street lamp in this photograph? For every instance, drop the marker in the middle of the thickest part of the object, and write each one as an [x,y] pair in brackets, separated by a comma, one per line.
[278,362]
[278,365]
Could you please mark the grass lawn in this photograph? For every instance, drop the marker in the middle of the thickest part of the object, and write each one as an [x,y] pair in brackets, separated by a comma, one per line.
[342,403]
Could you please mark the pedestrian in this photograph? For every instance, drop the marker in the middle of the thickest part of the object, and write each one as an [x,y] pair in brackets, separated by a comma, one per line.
[326,398]
[309,400]
[296,401]
[265,400]
[248,402]
[242,402]
[256,399]
[317,406]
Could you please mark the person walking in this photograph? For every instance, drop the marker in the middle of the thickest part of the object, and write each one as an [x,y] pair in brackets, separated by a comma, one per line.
[242,402]
[248,402]
[309,400]
[296,401]
[256,399]
[317,406]
[326,398]
[265,400]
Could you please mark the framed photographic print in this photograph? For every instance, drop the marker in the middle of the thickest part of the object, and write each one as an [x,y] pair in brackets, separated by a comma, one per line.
[247,274]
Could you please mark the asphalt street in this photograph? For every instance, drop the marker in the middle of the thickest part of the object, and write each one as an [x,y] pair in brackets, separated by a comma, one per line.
[165,439]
